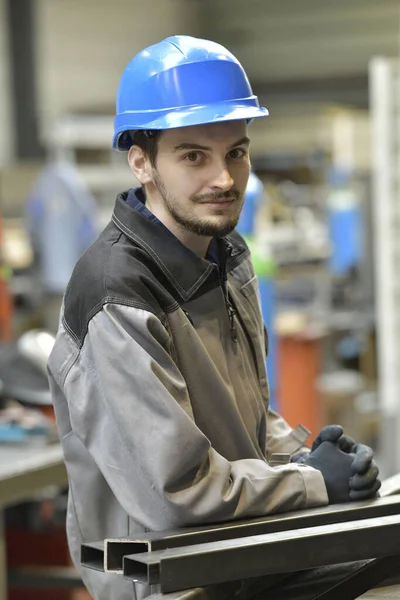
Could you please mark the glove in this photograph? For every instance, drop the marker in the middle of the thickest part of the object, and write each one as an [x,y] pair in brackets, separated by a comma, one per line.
[336,468]
[364,482]
[331,433]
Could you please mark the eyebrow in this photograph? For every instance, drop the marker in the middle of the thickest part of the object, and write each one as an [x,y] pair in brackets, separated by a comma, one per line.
[193,146]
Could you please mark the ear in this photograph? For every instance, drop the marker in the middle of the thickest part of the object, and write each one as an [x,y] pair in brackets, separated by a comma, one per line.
[139,164]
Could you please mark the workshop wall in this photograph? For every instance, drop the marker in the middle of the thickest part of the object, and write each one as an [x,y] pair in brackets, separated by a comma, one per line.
[73,35]
[6,145]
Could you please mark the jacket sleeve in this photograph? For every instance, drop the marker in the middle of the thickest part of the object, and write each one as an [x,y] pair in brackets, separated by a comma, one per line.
[129,405]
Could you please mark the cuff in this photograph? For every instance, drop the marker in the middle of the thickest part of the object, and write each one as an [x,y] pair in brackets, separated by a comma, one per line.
[316,494]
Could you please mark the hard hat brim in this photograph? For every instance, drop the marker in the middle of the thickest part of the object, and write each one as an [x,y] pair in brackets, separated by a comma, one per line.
[184,117]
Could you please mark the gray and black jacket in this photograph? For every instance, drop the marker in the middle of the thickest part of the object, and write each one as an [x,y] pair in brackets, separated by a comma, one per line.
[161,396]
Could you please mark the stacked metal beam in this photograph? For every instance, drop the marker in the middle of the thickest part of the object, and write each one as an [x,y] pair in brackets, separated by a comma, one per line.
[246,558]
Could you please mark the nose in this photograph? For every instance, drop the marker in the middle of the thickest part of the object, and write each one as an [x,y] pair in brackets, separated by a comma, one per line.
[222,180]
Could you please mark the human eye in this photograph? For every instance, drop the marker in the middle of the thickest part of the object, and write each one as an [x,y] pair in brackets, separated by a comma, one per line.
[194,157]
[237,153]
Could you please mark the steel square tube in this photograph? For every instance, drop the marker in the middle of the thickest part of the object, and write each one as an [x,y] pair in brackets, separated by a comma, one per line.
[221,591]
[92,556]
[348,580]
[255,556]
[116,548]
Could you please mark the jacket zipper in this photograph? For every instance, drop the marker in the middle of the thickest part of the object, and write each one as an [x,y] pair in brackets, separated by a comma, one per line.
[230,309]
[224,285]
[250,342]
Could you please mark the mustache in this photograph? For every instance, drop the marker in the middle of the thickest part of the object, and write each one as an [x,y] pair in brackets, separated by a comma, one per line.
[217,197]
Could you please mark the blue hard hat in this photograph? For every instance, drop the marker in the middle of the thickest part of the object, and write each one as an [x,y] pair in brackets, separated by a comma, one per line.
[182,81]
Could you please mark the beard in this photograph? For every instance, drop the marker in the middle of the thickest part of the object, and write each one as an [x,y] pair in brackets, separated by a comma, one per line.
[204,227]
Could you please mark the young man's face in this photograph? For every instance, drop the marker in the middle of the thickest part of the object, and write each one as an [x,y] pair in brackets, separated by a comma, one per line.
[201,176]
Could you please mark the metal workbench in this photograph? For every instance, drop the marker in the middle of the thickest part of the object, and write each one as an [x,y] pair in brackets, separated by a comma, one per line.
[24,471]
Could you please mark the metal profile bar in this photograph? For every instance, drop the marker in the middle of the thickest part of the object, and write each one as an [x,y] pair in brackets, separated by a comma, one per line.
[345,581]
[255,556]
[92,556]
[364,579]
[115,549]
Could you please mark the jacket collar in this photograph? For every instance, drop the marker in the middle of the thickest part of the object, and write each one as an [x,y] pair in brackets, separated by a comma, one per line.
[186,271]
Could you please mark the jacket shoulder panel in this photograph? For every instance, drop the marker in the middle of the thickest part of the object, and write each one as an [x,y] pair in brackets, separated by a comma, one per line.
[111,271]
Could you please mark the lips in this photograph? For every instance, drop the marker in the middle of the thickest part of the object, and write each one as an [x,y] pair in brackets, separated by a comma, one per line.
[222,201]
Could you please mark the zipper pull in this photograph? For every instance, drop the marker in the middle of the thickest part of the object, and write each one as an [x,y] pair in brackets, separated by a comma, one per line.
[231,314]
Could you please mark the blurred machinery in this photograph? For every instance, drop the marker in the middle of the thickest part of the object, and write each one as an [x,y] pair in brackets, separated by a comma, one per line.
[318,231]
[70,202]
[62,221]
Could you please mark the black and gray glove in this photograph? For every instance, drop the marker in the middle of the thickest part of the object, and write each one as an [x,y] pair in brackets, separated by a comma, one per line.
[364,482]
[336,468]
[363,477]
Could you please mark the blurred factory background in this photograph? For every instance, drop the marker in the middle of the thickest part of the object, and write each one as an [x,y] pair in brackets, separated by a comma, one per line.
[322,216]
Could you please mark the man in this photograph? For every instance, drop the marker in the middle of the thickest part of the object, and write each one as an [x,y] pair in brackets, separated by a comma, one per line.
[158,372]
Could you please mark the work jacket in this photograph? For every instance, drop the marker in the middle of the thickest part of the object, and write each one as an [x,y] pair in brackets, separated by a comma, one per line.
[160,390]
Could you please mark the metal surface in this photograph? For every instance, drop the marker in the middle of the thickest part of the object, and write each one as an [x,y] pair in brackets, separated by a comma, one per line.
[363,579]
[66,578]
[93,556]
[283,552]
[116,549]
[346,581]
[390,486]
[279,458]
[25,470]
[227,591]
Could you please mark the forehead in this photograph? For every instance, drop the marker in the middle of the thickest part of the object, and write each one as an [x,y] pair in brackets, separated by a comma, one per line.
[218,134]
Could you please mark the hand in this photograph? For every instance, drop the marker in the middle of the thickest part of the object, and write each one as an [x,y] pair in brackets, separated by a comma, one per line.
[364,482]
[336,468]
[330,433]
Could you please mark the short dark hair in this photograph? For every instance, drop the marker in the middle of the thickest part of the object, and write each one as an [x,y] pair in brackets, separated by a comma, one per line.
[147,140]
